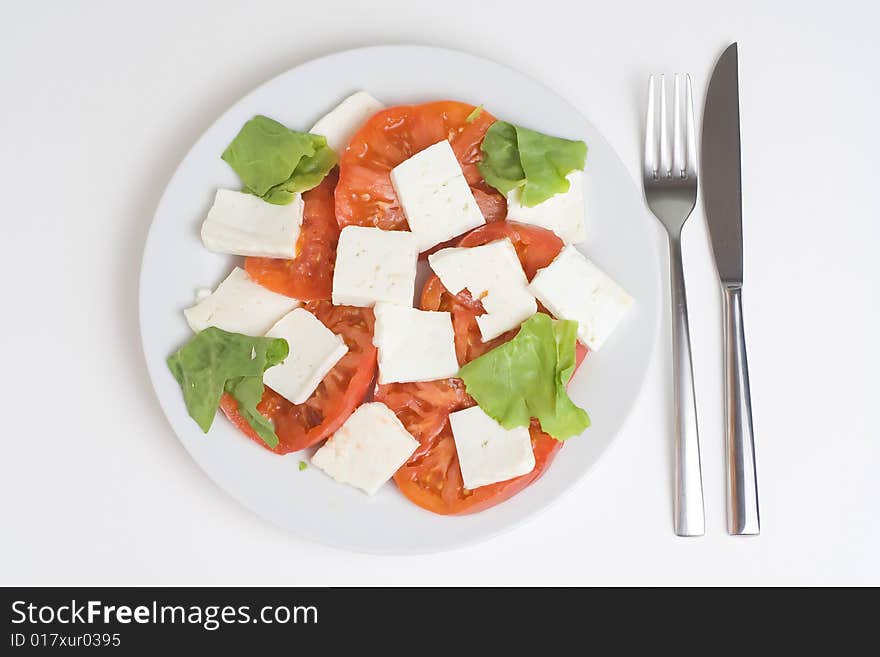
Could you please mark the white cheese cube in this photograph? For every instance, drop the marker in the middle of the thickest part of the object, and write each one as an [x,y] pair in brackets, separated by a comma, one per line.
[561,213]
[367,449]
[239,305]
[374,265]
[572,287]
[243,224]
[487,452]
[414,345]
[340,124]
[492,274]
[434,195]
[314,350]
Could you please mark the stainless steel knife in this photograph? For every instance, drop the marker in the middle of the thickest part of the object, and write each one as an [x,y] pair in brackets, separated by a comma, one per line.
[722,197]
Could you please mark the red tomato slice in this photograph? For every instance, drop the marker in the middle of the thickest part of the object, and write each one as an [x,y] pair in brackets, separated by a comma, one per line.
[302,425]
[365,196]
[309,276]
[491,203]
[424,407]
[536,248]
[432,477]
[580,352]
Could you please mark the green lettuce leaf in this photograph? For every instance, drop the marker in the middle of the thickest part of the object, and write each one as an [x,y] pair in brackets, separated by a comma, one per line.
[275,162]
[501,165]
[309,173]
[546,162]
[248,391]
[215,361]
[526,377]
[514,156]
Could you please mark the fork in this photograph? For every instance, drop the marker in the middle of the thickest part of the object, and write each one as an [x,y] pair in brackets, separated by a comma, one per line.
[670,181]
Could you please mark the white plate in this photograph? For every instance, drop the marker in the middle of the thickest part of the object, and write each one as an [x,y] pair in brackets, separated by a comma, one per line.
[307,503]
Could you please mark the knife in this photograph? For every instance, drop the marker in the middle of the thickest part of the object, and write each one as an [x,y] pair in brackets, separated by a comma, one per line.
[722,198]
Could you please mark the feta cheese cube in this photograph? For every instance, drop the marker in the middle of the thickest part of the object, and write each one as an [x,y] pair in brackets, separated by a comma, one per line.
[367,449]
[434,195]
[314,350]
[487,452]
[374,265]
[492,274]
[340,124]
[572,287]
[414,345]
[244,224]
[562,213]
[239,305]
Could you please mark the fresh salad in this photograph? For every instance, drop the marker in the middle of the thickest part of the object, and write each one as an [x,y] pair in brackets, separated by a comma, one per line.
[319,337]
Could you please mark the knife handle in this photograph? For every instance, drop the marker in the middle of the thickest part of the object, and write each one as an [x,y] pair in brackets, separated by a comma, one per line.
[742,479]
[688,500]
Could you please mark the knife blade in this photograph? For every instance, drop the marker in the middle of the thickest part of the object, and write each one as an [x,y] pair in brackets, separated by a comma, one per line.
[722,197]
[721,173]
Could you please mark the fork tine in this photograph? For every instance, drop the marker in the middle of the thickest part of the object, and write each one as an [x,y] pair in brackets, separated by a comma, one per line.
[665,146]
[651,143]
[679,163]
[691,169]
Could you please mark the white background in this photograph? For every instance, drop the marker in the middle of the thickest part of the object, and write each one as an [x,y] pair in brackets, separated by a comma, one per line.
[101,100]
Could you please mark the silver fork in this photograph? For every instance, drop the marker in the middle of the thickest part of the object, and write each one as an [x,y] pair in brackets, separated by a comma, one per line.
[670,180]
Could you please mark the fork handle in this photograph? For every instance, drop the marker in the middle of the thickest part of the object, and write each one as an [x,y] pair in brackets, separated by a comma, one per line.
[742,479]
[688,501]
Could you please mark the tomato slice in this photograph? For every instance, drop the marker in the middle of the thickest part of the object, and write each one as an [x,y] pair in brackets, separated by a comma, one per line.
[302,425]
[432,477]
[309,276]
[536,248]
[365,196]
[424,407]
[491,203]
